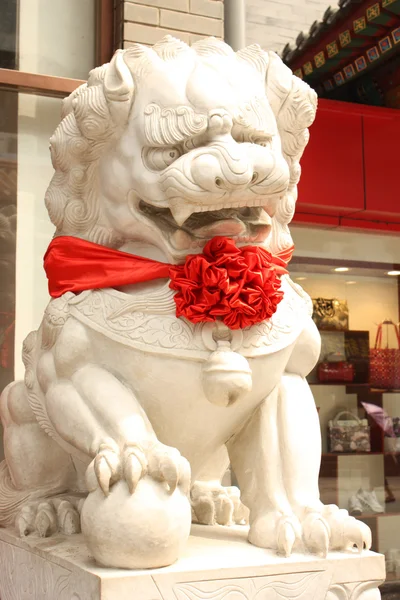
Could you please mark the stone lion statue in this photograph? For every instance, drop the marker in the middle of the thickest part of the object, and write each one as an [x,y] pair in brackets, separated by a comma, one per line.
[129,415]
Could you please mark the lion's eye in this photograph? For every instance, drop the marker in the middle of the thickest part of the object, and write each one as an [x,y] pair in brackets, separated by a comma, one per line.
[264,141]
[161,158]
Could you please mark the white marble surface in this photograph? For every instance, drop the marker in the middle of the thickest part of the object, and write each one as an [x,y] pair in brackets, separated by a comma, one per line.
[128,411]
[218,563]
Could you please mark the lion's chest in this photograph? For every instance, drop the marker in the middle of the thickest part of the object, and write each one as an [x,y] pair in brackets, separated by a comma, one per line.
[170,389]
[163,358]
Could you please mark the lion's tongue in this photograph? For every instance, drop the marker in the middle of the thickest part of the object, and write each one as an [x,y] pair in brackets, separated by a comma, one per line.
[229,227]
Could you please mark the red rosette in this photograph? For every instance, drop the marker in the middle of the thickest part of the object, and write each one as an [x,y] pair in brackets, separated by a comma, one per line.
[239,286]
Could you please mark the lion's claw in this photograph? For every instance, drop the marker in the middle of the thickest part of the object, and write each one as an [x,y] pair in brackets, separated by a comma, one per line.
[25,520]
[224,510]
[107,468]
[352,534]
[276,531]
[204,510]
[285,539]
[240,511]
[68,518]
[166,464]
[316,534]
[346,531]
[46,517]
[217,504]
[355,533]
[162,463]
[46,521]
[103,473]
[134,466]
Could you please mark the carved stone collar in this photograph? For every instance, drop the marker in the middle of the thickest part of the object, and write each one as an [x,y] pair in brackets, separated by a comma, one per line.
[147,321]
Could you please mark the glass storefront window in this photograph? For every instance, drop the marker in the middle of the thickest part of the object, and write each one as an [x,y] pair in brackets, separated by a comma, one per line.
[50,38]
[8,211]
[354,282]
[25,230]
[38,118]
[8,34]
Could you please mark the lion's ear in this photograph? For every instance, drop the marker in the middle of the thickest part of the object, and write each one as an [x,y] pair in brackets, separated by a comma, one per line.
[118,80]
[278,82]
[294,105]
[118,87]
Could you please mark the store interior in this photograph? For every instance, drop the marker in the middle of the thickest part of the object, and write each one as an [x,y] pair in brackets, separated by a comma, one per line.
[365,480]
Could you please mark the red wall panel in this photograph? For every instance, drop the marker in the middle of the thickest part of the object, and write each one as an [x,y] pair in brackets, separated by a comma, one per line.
[382,165]
[332,180]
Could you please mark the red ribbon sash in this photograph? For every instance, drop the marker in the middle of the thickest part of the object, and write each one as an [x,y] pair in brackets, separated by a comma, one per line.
[75,265]
[240,286]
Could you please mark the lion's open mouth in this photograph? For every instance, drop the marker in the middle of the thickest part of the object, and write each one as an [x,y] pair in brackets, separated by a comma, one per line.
[244,224]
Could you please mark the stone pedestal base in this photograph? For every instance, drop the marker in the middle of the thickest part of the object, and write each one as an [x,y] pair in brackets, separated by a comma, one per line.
[218,564]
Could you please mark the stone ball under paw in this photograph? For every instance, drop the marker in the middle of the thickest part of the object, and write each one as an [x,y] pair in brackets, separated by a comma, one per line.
[143,530]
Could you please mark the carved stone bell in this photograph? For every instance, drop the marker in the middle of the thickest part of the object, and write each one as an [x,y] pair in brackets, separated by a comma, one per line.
[227,375]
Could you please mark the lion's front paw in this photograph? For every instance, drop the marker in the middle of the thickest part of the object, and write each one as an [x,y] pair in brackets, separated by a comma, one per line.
[162,463]
[213,503]
[332,528]
[346,532]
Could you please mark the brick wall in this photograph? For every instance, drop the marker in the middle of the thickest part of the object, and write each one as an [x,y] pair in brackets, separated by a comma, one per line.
[270,23]
[147,21]
[274,23]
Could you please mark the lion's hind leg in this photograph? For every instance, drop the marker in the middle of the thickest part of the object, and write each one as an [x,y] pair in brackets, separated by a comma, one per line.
[35,468]
[255,454]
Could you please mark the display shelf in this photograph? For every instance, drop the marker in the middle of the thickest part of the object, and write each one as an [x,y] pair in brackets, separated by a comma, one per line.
[376,515]
[354,388]
[363,386]
[383,453]
[324,454]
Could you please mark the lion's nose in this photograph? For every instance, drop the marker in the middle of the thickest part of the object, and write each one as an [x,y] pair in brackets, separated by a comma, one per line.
[222,171]
[221,183]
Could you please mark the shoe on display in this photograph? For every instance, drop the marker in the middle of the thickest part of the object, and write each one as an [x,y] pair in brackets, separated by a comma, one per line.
[355,506]
[369,501]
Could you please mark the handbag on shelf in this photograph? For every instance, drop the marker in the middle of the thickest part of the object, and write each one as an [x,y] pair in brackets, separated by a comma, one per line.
[331,313]
[351,435]
[336,372]
[385,362]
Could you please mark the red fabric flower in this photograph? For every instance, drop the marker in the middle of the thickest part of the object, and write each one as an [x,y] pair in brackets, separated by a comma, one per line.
[239,286]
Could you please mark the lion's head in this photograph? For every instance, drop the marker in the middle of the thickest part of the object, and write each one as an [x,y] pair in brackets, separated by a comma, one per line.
[169,146]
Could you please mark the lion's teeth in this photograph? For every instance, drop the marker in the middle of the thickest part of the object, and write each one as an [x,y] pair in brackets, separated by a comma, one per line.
[181,213]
